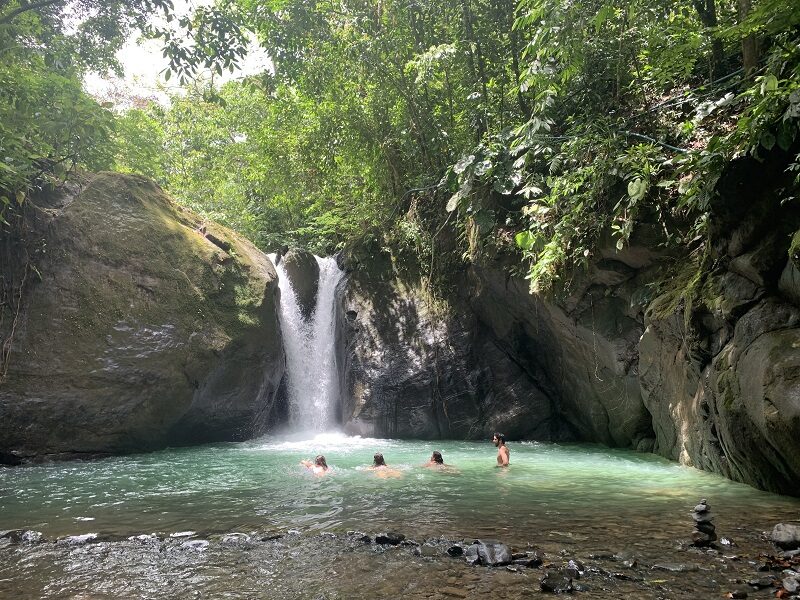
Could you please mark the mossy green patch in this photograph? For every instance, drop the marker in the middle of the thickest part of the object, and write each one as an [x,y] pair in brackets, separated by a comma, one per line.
[794,249]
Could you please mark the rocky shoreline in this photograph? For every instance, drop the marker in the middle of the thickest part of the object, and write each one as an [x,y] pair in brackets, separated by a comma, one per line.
[474,566]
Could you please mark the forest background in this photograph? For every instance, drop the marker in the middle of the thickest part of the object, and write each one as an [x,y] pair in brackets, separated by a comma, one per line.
[530,128]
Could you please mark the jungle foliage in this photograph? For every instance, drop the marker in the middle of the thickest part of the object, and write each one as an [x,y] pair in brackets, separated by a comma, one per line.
[527,126]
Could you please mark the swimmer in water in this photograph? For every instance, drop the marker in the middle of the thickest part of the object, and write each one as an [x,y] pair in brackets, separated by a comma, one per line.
[503,454]
[381,469]
[319,467]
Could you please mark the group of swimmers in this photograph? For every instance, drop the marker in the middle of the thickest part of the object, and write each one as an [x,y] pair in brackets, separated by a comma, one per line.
[320,466]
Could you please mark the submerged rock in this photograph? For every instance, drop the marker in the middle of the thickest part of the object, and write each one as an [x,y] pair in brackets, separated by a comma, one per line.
[391,539]
[489,553]
[556,581]
[786,536]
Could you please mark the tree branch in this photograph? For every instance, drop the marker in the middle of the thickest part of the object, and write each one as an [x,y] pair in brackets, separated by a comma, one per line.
[25,7]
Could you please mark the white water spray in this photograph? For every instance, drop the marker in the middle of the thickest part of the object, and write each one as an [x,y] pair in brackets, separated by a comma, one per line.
[311,370]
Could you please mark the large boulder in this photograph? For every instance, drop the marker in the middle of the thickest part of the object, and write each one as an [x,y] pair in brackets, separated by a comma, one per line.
[720,355]
[302,270]
[145,327]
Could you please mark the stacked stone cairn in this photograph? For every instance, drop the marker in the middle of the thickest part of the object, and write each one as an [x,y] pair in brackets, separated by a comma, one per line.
[703,534]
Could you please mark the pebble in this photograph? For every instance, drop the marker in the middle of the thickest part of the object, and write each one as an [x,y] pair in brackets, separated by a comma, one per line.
[455,551]
[180,534]
[198,545]
[791,584]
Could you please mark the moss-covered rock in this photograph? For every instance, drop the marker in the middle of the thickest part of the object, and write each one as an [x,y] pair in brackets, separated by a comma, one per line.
[146,327]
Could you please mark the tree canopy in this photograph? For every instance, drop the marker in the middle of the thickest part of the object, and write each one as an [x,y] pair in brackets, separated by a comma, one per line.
[529,126]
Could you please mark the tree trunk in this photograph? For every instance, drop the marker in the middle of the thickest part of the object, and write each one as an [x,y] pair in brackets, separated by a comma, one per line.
[749,43]
[513,40]
[707,11]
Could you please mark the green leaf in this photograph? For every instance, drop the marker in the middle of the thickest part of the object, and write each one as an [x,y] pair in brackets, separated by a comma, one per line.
[524,240]
[637,188]
[768,140]
[769,84]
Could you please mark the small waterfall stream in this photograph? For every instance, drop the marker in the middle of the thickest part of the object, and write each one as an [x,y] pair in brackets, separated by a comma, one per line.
[311,372]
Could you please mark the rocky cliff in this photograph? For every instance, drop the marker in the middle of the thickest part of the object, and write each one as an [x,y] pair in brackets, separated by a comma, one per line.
[418,366]
[695,357]
[143,327]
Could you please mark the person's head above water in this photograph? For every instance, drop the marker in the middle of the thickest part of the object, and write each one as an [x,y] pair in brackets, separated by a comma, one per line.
[499,439]
[377,460]
[320,462]
[437,457]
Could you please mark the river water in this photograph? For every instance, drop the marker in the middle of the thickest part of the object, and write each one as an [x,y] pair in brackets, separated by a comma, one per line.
[246,520]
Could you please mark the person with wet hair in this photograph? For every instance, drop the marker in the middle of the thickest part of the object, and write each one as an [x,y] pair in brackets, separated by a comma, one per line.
[435,460]
[381,469]
[318,467]
[503,454]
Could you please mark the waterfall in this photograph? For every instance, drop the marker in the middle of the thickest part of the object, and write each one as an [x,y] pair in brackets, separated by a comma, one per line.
[311,374]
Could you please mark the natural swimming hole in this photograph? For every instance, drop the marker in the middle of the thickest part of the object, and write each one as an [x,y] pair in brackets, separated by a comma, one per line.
[565,500]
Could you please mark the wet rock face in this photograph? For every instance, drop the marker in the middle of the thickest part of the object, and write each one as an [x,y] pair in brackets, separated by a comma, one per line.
[720,375]
[580,351]
[302,270]
[494,358]
[147,328]
[414,367]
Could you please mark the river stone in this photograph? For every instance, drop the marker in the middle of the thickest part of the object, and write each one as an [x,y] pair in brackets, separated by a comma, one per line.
[556,582]
[491,553]
[786,535]
[706,527]
[701,538]
[705,517]
[762,582]
[791,584]
[302,269]
[391,539]
[140,331]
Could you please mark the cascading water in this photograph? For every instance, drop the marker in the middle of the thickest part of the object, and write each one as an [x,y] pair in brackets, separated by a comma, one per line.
[311,374]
